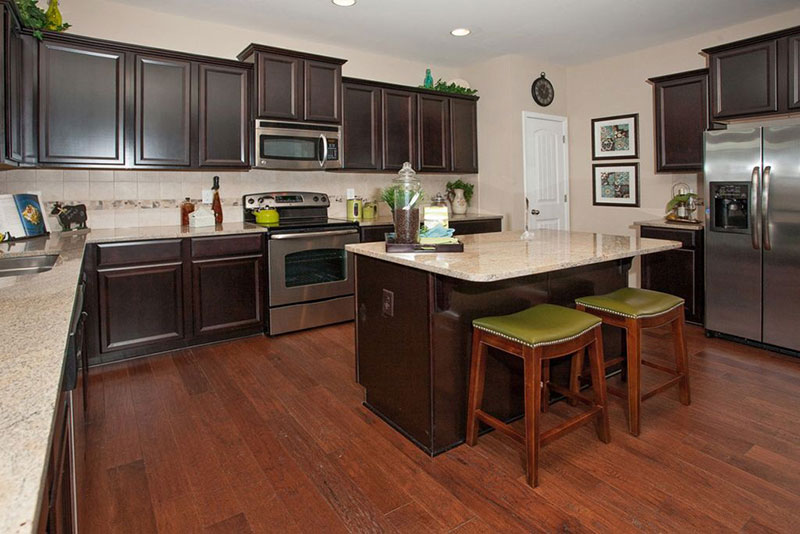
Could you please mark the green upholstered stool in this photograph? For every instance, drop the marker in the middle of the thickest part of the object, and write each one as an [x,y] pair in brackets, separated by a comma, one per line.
[538,335]
[634,310]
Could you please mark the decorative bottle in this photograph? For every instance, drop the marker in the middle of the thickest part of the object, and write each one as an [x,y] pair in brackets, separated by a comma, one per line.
[428,79]
[216,204]
[53,19]
[186,208]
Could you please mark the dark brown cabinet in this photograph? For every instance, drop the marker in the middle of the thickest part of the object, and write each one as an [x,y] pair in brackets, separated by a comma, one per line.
[463,135]
[361,127]
[679,272]
[681,117]
[82,95]
[163,111]
[12,47]
[293,85]
[224,116]
[58,514]
[756,76]
[227,283]
[484,225]
[433,133]
[398,118]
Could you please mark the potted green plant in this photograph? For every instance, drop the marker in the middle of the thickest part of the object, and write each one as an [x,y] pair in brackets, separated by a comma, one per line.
[682,205]
[460,193]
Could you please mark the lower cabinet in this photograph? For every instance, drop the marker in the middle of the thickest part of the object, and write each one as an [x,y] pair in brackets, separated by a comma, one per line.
[153,296]
[377,232]
[678,272]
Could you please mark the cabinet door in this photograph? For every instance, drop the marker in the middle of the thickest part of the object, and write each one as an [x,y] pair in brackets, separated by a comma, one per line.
[794,71]
[681,119]
[163,111]
[323,91]
[280,86]
[433,134]
[81,105]
[463,135]
[227,293]
[744,80]
[14,90]
[140,305]
[224,116]
[398,116]
[361,128]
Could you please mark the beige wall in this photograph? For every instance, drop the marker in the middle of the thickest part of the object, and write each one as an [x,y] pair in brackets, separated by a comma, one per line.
[617,86]
[504,84]
[126,23]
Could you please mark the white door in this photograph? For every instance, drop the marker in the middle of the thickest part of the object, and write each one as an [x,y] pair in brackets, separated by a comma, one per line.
[546,171]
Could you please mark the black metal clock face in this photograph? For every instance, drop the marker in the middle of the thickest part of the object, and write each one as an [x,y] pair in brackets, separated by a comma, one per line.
[542,91]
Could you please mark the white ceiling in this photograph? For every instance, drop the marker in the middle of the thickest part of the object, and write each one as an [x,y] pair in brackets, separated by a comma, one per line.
[559,31]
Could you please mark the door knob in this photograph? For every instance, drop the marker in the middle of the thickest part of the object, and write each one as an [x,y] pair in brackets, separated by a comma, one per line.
[534,212]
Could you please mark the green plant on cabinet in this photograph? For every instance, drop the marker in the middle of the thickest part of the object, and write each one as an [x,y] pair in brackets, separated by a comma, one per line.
[37,19]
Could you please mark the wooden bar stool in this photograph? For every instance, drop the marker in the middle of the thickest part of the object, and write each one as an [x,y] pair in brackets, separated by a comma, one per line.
[635,309]
[536,335]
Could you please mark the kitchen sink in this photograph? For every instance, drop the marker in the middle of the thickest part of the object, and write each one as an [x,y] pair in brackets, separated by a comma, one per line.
[18,265]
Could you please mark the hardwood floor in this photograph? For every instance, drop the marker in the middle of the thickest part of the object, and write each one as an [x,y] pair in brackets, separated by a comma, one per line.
[269,435]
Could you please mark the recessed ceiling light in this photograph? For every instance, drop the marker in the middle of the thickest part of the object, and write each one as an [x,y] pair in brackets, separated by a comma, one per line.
[344,3]
[460,32]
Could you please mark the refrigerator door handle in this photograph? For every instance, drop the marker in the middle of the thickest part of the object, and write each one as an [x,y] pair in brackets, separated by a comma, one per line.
[754,222]
[765,207]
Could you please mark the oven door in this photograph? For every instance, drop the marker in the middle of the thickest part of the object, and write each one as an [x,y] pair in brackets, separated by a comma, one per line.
[309,266]
[287,148]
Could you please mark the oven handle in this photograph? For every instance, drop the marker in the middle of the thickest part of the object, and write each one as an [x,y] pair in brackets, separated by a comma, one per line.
[307,235]
[324,150]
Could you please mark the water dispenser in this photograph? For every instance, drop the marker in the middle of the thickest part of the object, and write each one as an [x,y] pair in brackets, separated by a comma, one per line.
[730,207]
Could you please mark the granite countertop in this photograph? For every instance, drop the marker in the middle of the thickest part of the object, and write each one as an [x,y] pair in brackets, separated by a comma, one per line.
[387,220]
[663,223]
[504,255]
[35,313]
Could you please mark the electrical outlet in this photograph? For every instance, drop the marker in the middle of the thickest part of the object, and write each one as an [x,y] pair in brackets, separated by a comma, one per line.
[208,196]
[387,306]
[351,193]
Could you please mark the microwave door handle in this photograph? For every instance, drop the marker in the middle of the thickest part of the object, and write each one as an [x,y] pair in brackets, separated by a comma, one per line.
[324,141]
[755,227]
[765,207]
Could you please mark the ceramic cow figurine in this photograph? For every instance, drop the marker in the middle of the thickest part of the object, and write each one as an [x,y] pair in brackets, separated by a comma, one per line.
[69,215]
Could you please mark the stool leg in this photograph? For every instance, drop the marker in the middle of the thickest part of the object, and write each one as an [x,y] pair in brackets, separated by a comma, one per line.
[576,367]
[545,385]
[476,381]
[681,357]
[634,345]
[598,369]
[533,399]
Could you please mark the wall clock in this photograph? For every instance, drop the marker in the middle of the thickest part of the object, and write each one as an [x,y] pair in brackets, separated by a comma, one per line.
[542,91]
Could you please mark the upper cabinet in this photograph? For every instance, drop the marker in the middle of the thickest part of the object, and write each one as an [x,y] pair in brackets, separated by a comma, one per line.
[17,89]
[681,117]
[104,104]
[754,76]
[385,125]
[294,85]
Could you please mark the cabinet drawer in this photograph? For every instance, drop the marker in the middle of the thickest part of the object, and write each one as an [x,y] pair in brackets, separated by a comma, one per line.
[687,237]
[138,252]
[205,247]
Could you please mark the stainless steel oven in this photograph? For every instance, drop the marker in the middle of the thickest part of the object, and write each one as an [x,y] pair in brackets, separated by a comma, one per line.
[297,146]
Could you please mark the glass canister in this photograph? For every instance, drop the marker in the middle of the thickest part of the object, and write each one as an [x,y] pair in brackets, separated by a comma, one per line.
[407,197]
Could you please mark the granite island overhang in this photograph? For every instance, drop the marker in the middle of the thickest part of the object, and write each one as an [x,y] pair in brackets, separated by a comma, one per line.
[414,317]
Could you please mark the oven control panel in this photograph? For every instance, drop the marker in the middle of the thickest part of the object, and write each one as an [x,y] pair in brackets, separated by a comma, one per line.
[289,199]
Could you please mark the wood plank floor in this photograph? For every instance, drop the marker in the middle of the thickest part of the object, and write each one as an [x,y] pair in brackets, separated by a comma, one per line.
[269,435]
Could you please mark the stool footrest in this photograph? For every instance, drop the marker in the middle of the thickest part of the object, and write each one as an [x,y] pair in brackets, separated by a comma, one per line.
[497,424]
[617,392]
[666,385]
[659,367]
[569,394]
[568,425]
[614,361]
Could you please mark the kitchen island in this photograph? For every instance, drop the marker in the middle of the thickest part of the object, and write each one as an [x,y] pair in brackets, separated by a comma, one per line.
[414,317]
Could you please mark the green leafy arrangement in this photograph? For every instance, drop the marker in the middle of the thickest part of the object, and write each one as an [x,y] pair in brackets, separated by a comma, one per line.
[680,200]
[454,88]
[469,189]
[36,18]
[387,195]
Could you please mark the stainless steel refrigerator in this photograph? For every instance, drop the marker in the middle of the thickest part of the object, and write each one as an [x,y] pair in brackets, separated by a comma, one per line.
[752,232]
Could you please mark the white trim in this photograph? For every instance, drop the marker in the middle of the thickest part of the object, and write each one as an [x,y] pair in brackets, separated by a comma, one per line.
[565,133]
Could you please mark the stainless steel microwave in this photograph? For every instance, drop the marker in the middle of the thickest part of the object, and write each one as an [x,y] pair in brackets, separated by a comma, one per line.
[297,146]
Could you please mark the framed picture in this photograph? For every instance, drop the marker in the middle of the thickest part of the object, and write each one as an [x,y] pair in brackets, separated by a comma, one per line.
[615,184]
[616,137]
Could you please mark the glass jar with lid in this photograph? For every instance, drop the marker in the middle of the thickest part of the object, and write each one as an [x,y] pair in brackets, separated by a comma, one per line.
[407,197]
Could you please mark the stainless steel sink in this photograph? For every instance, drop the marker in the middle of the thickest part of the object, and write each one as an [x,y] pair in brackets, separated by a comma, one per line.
[18,265]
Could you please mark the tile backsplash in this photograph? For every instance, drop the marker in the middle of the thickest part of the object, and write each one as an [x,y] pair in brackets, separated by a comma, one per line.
[119,199]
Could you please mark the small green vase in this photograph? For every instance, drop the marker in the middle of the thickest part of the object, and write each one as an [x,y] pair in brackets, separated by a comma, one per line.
[428,79]
[53,17]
